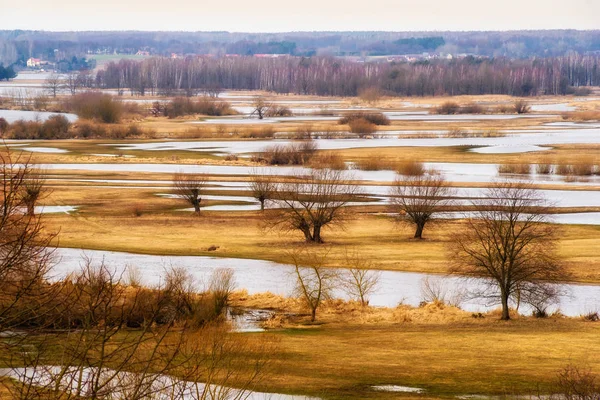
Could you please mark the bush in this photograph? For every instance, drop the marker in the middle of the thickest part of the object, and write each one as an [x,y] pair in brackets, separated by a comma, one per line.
[362,127]
[584,168]
[291,154]
[95,105]
[411,168]
[55,127]
[521,169]
[376,118]
[472,108]
[576,383]
[448,107]
[181,106]
[3,126]
[521,107]
[543,168]
[278,111]
[564,169]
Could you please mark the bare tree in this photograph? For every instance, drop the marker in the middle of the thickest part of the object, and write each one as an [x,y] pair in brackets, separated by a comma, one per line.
[53,84]
[418,198]
[314,282]
[190,187]
[34,189]
[360,280]
[72,82]
[263,187]
[510,243]
[260,106]
[311,203]
[26,251]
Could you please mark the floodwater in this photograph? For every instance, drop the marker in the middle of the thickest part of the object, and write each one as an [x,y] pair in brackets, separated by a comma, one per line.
[452,172]
[15,115]
[258,276]
[120,385]
[514,142]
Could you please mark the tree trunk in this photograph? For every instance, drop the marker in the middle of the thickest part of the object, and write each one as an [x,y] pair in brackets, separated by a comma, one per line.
[30,209]
[505,310]
[419,231]
[262,204]
[313,314]
[316,237]
[197,207]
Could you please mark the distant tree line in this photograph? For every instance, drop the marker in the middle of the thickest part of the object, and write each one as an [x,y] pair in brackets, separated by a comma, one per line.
[329,76]
[19,45]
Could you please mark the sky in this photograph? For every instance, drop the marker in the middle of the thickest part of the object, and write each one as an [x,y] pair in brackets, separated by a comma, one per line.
[305,15]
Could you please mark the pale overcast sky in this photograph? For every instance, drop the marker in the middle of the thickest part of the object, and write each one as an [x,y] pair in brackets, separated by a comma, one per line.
[305,15]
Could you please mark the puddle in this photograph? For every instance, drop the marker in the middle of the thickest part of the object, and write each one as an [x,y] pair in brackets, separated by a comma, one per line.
[396,388]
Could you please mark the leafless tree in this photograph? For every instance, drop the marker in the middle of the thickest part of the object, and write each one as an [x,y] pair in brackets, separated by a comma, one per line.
[53,84]
[510,244]
[260,106]
[263,187]
[72,82]
[311,203]
[314,281]
[360,280]
[575,382]
[26,252]
[418,198]
[34,189]
[190,187]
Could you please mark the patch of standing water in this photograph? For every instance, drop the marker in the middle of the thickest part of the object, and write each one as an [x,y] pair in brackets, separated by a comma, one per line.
[397,388]
[259,276]
[15,115]
[52,150]
[121,385]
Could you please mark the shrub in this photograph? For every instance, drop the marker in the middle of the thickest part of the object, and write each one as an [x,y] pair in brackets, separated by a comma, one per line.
[472,108]
[95,105]
[521,107]
[448,107]
[521,169]
[564,169]
[55,127]
[583,168]
[298,153]
[231,157]
[592,316]
[3,126]
[411,168]
[362,127]
[576,383]
[376,118]
[181,106]
[278,111]
[543,168]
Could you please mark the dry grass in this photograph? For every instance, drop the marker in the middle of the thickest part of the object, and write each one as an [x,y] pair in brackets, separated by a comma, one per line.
[374,163]
[521,169]
[411,168]
[589,115]
[427,348]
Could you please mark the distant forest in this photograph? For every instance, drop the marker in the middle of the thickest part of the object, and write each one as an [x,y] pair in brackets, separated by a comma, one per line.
[330,76]
[17,46]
